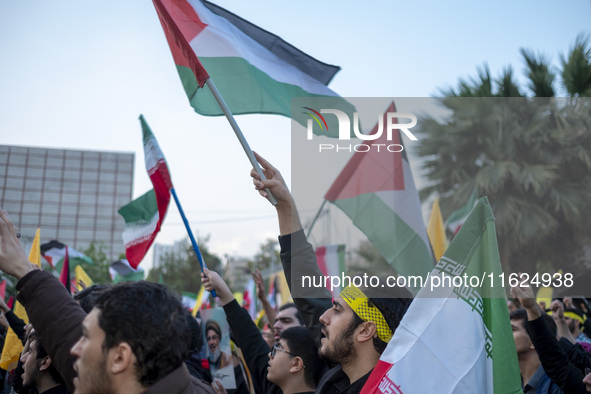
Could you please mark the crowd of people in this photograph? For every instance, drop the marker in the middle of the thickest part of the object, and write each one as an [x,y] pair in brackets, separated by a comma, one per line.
[136,337]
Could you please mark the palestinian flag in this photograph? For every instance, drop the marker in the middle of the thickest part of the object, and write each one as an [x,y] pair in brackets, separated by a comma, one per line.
[254,70]
[55,252]
[455,339]
[144,215]
[121,271]
[376,190]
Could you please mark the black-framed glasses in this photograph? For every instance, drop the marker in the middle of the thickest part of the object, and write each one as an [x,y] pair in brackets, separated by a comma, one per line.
[276,347]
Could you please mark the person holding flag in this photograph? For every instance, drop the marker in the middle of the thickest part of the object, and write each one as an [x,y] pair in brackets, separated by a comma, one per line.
[354,329]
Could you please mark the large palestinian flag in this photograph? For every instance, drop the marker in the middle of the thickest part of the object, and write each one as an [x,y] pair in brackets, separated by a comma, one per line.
[377,191]
[254,70]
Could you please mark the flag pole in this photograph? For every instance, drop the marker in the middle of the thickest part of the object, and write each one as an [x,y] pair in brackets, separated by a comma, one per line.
[191,237]
[238,132]
[315,218]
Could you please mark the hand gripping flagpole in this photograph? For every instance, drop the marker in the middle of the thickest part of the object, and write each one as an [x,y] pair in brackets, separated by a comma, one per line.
[238,132]
[191,237]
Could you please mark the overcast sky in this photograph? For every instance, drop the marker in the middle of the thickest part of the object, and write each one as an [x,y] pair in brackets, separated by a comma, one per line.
[77,76]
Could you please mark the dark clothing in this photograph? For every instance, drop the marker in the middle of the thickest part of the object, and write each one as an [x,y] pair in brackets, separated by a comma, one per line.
[553,358]
[179,382]
[576,354]
[254,348]
[336,381]
[57,319]
[298,254]
[61,389]
[196,369]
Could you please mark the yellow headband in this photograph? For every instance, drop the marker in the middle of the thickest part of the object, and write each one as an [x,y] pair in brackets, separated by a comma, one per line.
[574,316]
[359,303]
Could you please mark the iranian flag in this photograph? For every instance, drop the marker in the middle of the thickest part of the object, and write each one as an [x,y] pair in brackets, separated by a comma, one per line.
[455,339]
[331,261]
[144,215]
[254,70]
[376,190]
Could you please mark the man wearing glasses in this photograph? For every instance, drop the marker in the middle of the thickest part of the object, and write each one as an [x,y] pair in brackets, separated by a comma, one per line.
[292,365]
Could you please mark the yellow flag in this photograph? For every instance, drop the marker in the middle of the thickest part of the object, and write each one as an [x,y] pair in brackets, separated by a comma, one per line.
[436,231]
[198,301]
[35,253]
[283,288]
[545,294]
[82,275]
[12,345]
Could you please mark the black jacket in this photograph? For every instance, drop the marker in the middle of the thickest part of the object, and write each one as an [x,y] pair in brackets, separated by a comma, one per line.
[553,358]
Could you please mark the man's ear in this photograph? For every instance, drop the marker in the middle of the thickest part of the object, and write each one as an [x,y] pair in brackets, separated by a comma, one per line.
[45,363]
[366,331]
[297,364]
[121,358]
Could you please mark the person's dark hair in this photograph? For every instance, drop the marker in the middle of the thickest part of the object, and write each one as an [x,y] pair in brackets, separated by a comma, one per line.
[521,315]
[213,325]
[87,296]
[151,320]
[297,313]
[195,327]
[41,353]
[392,302]
[300,343]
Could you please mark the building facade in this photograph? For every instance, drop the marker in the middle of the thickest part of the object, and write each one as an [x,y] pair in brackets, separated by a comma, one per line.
[72,195]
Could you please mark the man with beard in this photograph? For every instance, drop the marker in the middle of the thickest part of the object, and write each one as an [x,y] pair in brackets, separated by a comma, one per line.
[38,370]
[575,319]
[217,359]
[356,330]
[133,341]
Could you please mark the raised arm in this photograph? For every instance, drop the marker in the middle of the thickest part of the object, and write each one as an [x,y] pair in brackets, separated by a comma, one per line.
[297,254]
[248,336]
[54,314]
[269,311]
[553,358]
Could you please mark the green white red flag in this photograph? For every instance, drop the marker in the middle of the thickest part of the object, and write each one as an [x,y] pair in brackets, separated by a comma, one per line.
[376,190]
[455,339]
[254,70]
[144,215]
[331,261]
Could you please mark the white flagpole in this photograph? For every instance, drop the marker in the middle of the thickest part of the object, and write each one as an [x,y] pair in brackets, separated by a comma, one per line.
[238,132]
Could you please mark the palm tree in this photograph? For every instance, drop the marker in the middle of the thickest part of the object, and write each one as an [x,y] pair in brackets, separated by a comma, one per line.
[532,158]
[576,69]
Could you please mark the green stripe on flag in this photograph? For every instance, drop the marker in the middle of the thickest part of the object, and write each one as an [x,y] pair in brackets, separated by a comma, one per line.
[475,246]
[400,245]
[141,210]
[238,81]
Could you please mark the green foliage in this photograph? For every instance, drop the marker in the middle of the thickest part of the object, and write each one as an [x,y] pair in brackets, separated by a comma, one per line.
[99,271]
[267,256]
[181,270]
[530,157]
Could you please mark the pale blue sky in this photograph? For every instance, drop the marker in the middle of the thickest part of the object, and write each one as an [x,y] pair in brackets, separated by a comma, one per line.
[78,76]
